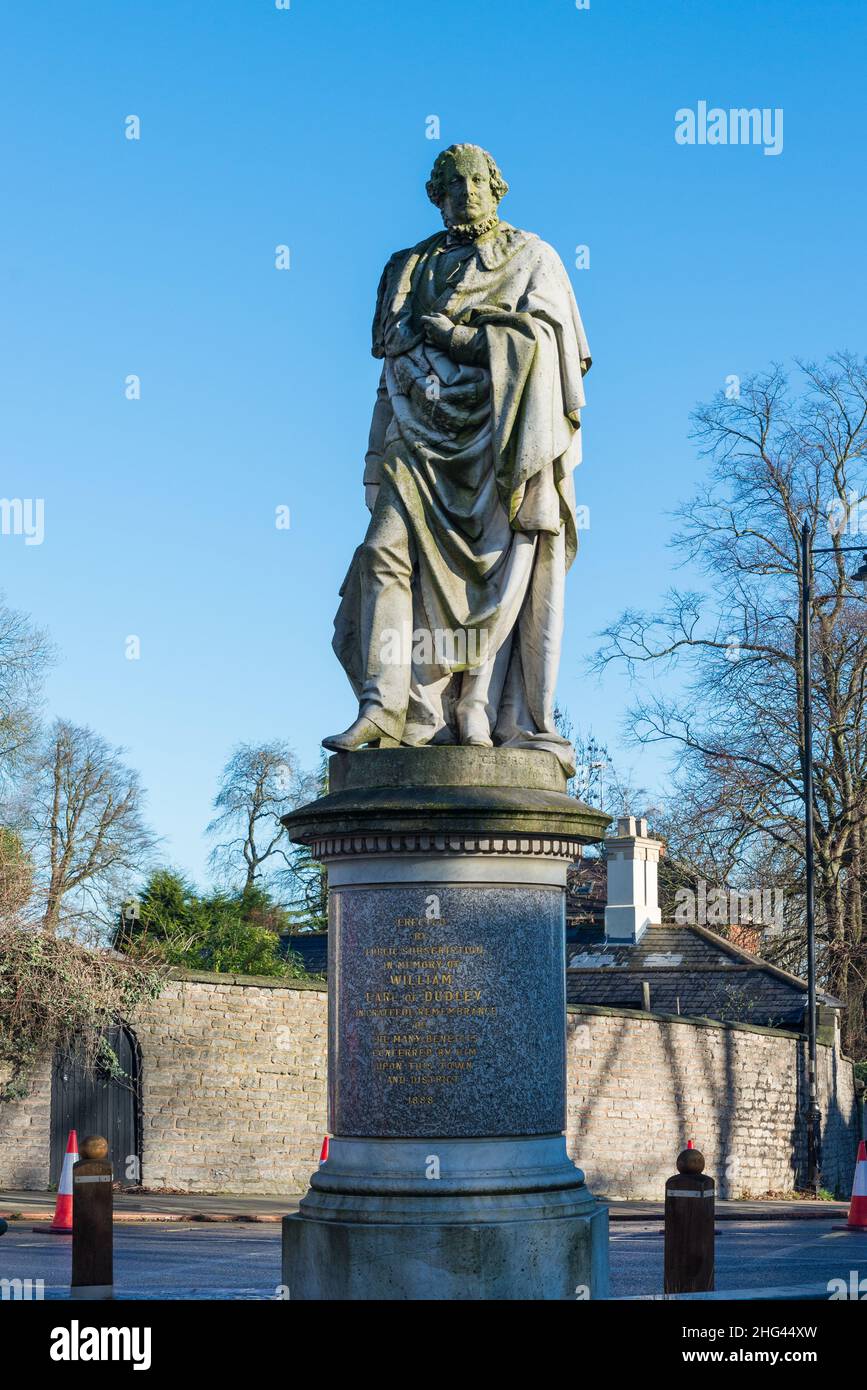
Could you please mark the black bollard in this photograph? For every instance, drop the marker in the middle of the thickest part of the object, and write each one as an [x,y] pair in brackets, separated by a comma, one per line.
[92,1272]
[689,1226]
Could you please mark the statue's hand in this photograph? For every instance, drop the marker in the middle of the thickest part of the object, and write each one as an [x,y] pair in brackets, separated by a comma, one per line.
[371,492]
[438,329]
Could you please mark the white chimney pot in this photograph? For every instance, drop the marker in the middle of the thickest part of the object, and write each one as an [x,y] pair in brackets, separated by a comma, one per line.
[633,892]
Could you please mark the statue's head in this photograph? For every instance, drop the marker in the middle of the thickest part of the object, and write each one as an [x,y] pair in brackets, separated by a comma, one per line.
[466,186]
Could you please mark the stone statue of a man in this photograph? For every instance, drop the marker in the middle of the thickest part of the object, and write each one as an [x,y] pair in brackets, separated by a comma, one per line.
[451,616]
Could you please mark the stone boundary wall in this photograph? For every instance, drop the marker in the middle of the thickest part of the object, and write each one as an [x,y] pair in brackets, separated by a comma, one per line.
[25,1127]
[640,1085]
[234,1096]
[234,1085]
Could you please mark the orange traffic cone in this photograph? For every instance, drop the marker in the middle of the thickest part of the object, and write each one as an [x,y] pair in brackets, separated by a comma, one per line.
[323,1157]
[62,1223]
[858,1209]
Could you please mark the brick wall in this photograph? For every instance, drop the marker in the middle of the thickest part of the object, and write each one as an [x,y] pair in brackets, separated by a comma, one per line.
[234,1073]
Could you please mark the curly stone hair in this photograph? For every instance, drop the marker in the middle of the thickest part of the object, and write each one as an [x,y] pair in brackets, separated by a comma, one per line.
[435,185]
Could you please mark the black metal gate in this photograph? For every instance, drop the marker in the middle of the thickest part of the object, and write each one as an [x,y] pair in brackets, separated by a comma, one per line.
[98,1103]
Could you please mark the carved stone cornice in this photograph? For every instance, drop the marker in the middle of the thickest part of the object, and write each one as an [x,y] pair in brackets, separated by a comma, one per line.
[344,846]
[444,799]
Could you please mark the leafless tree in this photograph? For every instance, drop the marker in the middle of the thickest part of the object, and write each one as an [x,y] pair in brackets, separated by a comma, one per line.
[599,779]
[260,783]
[25,653]
[85,830]
[734,705]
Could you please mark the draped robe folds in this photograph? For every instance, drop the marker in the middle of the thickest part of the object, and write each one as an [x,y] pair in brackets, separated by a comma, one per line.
[473,448]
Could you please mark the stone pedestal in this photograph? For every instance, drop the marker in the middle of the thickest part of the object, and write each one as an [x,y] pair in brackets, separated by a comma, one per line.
[447,1176]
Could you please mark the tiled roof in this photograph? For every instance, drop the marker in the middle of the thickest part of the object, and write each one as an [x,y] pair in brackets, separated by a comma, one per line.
[690,971]
[312,947]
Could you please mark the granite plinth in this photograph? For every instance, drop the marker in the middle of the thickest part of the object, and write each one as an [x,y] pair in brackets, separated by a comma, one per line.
[448,1175]
[438,1026]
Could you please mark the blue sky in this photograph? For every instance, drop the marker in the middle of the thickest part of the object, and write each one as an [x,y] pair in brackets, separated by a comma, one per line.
[307,127]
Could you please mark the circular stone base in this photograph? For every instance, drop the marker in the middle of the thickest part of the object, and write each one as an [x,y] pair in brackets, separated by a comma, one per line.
[447,1219]
[522,1258]
[426,1174]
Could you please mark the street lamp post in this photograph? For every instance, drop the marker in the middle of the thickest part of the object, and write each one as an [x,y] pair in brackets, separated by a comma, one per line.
[814,1114]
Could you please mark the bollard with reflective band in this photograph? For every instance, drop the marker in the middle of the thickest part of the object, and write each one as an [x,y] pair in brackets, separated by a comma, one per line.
[689,1226]
[92,1211]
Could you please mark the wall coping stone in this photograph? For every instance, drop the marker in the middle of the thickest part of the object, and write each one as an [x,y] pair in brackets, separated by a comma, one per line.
[692,1021]
[216,977]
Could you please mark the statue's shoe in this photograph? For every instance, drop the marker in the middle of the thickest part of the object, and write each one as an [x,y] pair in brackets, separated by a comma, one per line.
[474,729]
[357,735]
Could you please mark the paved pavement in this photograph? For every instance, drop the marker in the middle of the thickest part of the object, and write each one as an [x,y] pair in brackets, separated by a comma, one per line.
[198,1260]
[135,1206]
[739,1211]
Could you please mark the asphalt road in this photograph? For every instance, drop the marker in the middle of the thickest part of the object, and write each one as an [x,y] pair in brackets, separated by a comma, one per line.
[169,1260]
[749,1255]
[200,1261]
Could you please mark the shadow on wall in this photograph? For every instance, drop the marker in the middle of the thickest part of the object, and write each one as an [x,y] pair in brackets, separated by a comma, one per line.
[648,1084]
[839,1137]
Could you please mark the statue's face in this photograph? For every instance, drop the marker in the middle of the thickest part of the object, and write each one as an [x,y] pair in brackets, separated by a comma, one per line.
[467,195]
